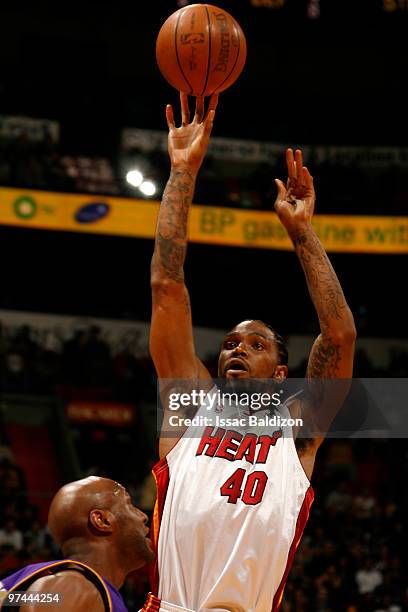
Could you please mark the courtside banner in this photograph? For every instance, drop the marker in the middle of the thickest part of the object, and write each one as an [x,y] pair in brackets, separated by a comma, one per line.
[208,225]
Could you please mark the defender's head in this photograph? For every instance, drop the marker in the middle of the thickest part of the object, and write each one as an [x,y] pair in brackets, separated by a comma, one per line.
[252,349]
[94,512]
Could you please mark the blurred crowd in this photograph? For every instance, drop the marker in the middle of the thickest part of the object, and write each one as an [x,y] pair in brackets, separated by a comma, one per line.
[352,555]
[341,188]
[85,364]
[22,536]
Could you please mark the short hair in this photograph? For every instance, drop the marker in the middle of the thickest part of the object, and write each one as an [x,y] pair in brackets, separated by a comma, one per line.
[280,343]
[283,355]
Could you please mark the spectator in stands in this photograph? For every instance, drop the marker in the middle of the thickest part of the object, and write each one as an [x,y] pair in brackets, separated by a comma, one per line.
[6,454]
[98,361]
[73,359]
[11,536]
[339,501]
[36,536]
[364,505]
[368,578]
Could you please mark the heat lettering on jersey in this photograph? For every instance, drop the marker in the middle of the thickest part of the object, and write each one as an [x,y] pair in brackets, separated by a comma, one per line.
[233,446]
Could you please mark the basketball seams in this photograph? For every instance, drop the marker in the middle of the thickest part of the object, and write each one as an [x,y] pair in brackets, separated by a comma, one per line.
[177,53]
[195,50]
[209,50]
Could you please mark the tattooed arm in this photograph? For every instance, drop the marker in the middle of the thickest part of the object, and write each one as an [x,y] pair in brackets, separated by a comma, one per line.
[333,351]
[171,335]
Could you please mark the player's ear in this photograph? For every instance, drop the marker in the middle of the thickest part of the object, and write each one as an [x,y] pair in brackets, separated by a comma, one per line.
[280,373]
[101,521]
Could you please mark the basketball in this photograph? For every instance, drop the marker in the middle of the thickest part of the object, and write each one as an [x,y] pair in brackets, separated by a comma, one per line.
[201,50]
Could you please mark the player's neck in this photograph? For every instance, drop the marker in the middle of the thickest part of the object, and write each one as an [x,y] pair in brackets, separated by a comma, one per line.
[103,561]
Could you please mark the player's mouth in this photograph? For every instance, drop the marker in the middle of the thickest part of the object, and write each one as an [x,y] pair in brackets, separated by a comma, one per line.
[235,368]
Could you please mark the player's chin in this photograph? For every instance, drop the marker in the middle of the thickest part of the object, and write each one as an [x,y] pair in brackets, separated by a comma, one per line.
[149,549]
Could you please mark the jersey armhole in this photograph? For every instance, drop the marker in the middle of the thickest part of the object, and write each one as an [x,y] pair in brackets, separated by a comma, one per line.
[174,449]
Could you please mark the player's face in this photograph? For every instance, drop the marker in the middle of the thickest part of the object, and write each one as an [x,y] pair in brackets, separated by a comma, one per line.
[248,351]
[133,529]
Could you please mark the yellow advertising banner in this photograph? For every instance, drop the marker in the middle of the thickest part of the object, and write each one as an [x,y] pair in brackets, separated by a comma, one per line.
[208,224]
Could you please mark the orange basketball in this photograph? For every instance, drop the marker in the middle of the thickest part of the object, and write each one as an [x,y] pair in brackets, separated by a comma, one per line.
[201,50]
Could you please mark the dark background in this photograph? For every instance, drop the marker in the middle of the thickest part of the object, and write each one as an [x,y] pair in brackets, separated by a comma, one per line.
[91,65]
[337,79]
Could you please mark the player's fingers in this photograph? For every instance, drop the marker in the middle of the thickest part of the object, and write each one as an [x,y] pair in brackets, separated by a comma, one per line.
[213,102]
[185,111]
[199,113]
[170,116]
[281,189]
[307,178]
[209,122]
[299,166]
[290,164]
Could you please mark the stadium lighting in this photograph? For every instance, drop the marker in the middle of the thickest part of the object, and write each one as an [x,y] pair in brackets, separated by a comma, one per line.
[148,188]
[134,178]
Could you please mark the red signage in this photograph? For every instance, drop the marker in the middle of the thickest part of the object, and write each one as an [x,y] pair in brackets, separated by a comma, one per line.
[103,413]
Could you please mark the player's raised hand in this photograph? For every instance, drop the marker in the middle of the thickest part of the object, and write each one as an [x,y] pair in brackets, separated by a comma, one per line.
[187,144]
[295,202]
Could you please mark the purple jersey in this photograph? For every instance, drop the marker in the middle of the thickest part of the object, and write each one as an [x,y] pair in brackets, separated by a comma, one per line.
[22,579]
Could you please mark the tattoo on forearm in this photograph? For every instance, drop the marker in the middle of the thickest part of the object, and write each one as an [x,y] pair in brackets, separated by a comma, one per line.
[186,303]
[171,233]
[331,306]
[172,257]
[323,284]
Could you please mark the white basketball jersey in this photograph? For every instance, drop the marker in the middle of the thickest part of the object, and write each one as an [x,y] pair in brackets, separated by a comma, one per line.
[230,512]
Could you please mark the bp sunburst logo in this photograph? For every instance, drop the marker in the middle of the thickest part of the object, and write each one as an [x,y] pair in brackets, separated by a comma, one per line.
[25,207]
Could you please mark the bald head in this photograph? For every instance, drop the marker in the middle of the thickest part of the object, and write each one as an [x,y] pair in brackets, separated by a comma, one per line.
[70,510]
[93,520]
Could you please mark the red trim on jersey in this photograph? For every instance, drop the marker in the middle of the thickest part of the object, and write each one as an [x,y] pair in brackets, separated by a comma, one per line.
[152,604]
[161,475]
[300,525]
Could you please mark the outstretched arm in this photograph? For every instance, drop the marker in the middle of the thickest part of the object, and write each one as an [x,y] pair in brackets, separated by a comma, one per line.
[171,334]
[333,351]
